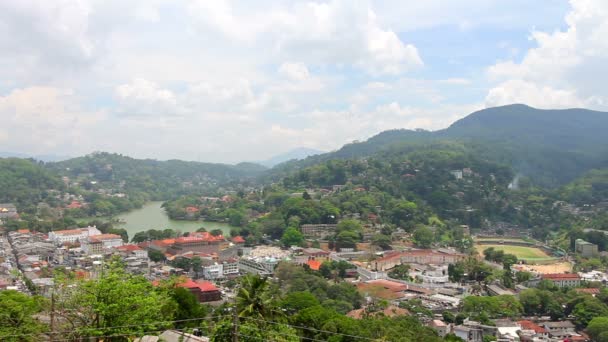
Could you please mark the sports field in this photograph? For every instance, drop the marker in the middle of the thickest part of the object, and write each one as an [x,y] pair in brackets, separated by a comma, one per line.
[521,252]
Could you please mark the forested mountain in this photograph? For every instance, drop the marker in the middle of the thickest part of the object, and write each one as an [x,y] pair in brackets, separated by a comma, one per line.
[154,177]
[24,181]
[552,147]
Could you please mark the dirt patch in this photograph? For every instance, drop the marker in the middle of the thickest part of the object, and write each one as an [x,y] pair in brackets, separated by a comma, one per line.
[558,267]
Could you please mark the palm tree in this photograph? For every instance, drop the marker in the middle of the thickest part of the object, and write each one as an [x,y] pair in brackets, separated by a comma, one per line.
[255,299]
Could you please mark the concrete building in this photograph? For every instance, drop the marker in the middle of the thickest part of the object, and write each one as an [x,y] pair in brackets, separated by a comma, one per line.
[98,243]
[585,249]
[318,231]
[469,334]
[563,279]
[73,235]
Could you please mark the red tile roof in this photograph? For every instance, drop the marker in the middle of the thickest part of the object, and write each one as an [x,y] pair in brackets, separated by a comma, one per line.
[592,291]
[238,239]
[191,209]
[207,286]
[561,276]
[128,248]
[529,325]
[314,264]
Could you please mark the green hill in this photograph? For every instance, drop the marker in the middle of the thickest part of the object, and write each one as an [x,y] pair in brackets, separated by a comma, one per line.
[552,147]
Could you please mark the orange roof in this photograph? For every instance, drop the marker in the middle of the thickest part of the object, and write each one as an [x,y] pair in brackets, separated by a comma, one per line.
[314,264]
[592,290]
[206,286]
[128,248]
[102,237]
[191,209]
[238,239]
[561,276]
[529,325]
[23,231]
[68,232]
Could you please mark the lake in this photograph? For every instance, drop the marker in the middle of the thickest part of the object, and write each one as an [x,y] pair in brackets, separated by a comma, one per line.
[152,216]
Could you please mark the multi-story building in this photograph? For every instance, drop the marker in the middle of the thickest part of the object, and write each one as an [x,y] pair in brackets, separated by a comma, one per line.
[421,256]
[97,244]
[198,242]
[585,249]
[318,231]
[73,235]
[563,279]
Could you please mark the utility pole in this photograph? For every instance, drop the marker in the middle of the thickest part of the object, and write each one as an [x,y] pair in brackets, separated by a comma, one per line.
[235,325]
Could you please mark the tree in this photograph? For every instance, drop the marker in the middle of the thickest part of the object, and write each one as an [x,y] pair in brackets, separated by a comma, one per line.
[156,255]
[292,237]
[400,272]
[117,303]
[17,312]
[188,308]
[382,241]
[255,299]
[216,232]
[424,237]
[598,329]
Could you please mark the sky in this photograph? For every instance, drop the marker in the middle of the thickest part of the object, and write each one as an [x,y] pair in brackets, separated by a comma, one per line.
[228,81]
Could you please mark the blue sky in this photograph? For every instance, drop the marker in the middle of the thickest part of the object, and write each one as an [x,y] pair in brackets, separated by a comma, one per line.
[227,81]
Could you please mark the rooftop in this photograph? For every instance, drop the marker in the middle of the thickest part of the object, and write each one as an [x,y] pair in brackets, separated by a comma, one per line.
[561,276]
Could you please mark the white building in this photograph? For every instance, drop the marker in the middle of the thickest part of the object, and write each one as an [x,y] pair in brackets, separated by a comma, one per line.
[73,235]
[231,268]
[214,271]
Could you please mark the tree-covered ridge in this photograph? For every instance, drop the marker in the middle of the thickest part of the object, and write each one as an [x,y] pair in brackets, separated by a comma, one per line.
[552,147]
[590,188]
[26,182]
[159,179]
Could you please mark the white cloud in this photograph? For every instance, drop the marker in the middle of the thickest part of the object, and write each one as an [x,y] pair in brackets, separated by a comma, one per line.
[294,71]
[44,119]
[333,33]
[562,71]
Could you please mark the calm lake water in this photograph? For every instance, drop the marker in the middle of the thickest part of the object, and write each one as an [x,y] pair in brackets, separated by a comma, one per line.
[152,216]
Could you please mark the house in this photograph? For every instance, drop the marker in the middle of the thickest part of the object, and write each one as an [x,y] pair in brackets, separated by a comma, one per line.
[469,333]
[200,242]
[532,329]
[440,327]
[585,249]
[563,279]
[315,253]
[559,329]
[204,291]
[133,250]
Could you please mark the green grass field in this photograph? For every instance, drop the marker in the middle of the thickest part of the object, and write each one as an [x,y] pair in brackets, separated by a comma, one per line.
[527,253]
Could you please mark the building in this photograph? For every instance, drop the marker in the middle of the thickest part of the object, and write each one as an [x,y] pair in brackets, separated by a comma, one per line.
[469,334]
[198,242]
[204,291]
[60,237]
[585,249]
[457,174]
[563,279]
[440,327]
[318,231]
[421,256]
[98,243]
[8,211]
[532,329]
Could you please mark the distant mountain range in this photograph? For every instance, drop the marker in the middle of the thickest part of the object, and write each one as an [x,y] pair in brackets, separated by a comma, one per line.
[552,147]
[296,153]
